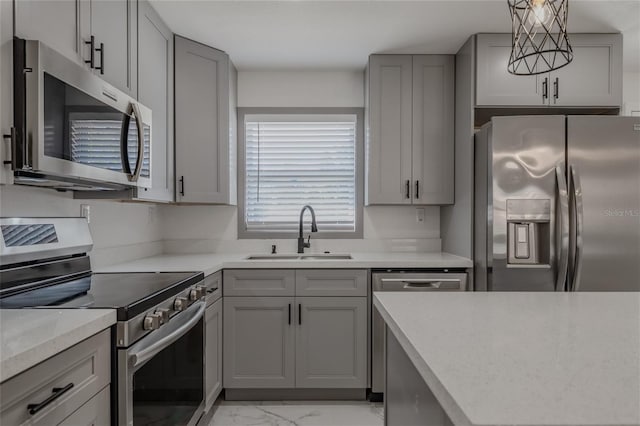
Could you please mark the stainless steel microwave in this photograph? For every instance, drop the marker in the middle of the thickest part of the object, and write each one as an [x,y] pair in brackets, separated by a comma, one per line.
[72,130]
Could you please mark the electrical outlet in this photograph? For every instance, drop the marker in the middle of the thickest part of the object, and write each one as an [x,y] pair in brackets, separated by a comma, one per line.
[85,211]
[420,215]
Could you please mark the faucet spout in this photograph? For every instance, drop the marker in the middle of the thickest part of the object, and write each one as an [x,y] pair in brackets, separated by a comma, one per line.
[314,228]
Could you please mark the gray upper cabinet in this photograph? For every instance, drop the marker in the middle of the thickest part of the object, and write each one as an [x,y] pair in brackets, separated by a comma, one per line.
[592,79]
[114,26]
[495,85]
[205,126]
[67,26]
[388,134]
[409,137]
[259,342]
[155,90]
[55,22]
[433,127]
[331,342]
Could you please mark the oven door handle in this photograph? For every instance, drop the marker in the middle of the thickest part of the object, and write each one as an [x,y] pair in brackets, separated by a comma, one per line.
[177,327]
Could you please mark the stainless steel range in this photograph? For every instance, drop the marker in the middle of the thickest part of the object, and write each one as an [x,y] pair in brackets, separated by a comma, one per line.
[158,351]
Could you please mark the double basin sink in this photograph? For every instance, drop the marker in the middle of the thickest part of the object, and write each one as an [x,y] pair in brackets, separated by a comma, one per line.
[301,257]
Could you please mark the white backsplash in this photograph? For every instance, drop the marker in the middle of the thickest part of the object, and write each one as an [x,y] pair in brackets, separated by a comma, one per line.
[120,231]
[204,229]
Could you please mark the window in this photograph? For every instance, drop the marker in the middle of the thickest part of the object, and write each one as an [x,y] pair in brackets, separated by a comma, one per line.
[291,159]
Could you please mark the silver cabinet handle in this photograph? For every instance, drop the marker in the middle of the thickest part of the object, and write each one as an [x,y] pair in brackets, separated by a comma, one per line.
[563,218]
[179,325]
[579,213]
[139,160]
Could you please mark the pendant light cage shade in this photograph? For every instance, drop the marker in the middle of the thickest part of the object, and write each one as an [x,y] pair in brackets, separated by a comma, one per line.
[539,41]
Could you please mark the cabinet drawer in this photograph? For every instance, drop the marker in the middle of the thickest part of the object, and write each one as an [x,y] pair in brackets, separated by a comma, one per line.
[96,412]
[331,282]
[213,283]
[259,282]
[85,366]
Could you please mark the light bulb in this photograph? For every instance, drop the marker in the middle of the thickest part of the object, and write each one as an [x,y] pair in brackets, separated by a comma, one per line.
[540,14]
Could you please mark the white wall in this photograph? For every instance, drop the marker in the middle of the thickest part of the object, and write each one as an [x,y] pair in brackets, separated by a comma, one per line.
[300,89]
[120,231]
[211,228]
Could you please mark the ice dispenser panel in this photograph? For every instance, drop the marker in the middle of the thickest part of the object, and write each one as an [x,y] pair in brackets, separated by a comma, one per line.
[528,231]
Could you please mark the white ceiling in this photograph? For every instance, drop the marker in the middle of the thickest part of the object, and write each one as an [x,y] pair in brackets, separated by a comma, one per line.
[332,34]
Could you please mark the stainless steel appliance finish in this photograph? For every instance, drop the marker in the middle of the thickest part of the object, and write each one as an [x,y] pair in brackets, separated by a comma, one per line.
[445,280]
[58,102]
[158,365]
[557,204]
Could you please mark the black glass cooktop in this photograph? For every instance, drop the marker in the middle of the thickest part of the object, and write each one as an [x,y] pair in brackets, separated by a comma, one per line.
[129,293]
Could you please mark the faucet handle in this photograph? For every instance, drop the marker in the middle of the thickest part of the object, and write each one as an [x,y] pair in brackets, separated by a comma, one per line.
[308,243]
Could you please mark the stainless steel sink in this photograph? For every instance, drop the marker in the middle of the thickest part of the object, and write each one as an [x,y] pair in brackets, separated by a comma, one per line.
[327,256]
[274,257]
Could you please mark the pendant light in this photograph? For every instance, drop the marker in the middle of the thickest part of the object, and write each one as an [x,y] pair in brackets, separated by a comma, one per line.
[539,41]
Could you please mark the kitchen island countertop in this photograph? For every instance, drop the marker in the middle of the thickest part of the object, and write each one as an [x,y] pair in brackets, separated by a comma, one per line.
[523,358]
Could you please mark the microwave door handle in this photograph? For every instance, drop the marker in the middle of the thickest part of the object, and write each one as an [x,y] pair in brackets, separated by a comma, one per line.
[563,218]
[578,208]
[147,348]
[140,130]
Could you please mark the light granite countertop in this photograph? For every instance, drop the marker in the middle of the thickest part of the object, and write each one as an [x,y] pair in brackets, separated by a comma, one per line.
[523,358]
[30,336]
[210,263]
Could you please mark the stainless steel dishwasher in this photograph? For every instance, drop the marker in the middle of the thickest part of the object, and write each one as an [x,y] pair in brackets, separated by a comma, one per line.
[405,280]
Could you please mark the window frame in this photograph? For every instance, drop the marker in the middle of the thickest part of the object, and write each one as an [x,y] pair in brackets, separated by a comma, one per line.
[243,233]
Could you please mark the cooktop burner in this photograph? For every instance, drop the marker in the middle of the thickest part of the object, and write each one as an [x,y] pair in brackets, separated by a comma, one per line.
[129,293]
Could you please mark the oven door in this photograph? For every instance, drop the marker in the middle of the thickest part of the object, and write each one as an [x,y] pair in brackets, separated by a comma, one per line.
[72,124]
[161,377]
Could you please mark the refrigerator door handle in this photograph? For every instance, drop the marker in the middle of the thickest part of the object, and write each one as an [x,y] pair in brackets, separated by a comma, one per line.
[576,188]
[563,218]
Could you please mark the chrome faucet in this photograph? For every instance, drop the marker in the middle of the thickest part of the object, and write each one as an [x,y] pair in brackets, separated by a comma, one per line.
[301,244]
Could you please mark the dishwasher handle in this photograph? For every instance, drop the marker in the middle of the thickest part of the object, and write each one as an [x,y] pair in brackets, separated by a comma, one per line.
[426,283]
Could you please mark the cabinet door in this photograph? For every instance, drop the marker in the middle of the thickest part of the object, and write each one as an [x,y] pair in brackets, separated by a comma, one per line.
[213,353]
[433,127]
[95,412]
[389,134]
[594,76]
[114,24]
[55,22]
[258,342]
[331,342]
[155,90]
[202,123]
[494,85]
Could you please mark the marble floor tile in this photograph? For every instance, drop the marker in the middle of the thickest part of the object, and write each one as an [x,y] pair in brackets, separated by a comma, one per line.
[297,413]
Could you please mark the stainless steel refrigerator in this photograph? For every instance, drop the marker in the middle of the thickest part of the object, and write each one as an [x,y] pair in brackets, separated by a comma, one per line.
[557,204]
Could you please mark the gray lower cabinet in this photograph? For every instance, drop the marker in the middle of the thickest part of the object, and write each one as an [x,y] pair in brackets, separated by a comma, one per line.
[259,282]
[80,374]
[213,351]
[331,342]
[259,342]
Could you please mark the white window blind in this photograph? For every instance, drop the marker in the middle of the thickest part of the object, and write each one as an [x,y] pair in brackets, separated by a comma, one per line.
[96,142]
[296,160]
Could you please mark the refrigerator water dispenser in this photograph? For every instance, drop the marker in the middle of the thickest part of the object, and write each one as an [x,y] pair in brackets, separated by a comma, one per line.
[528,231]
